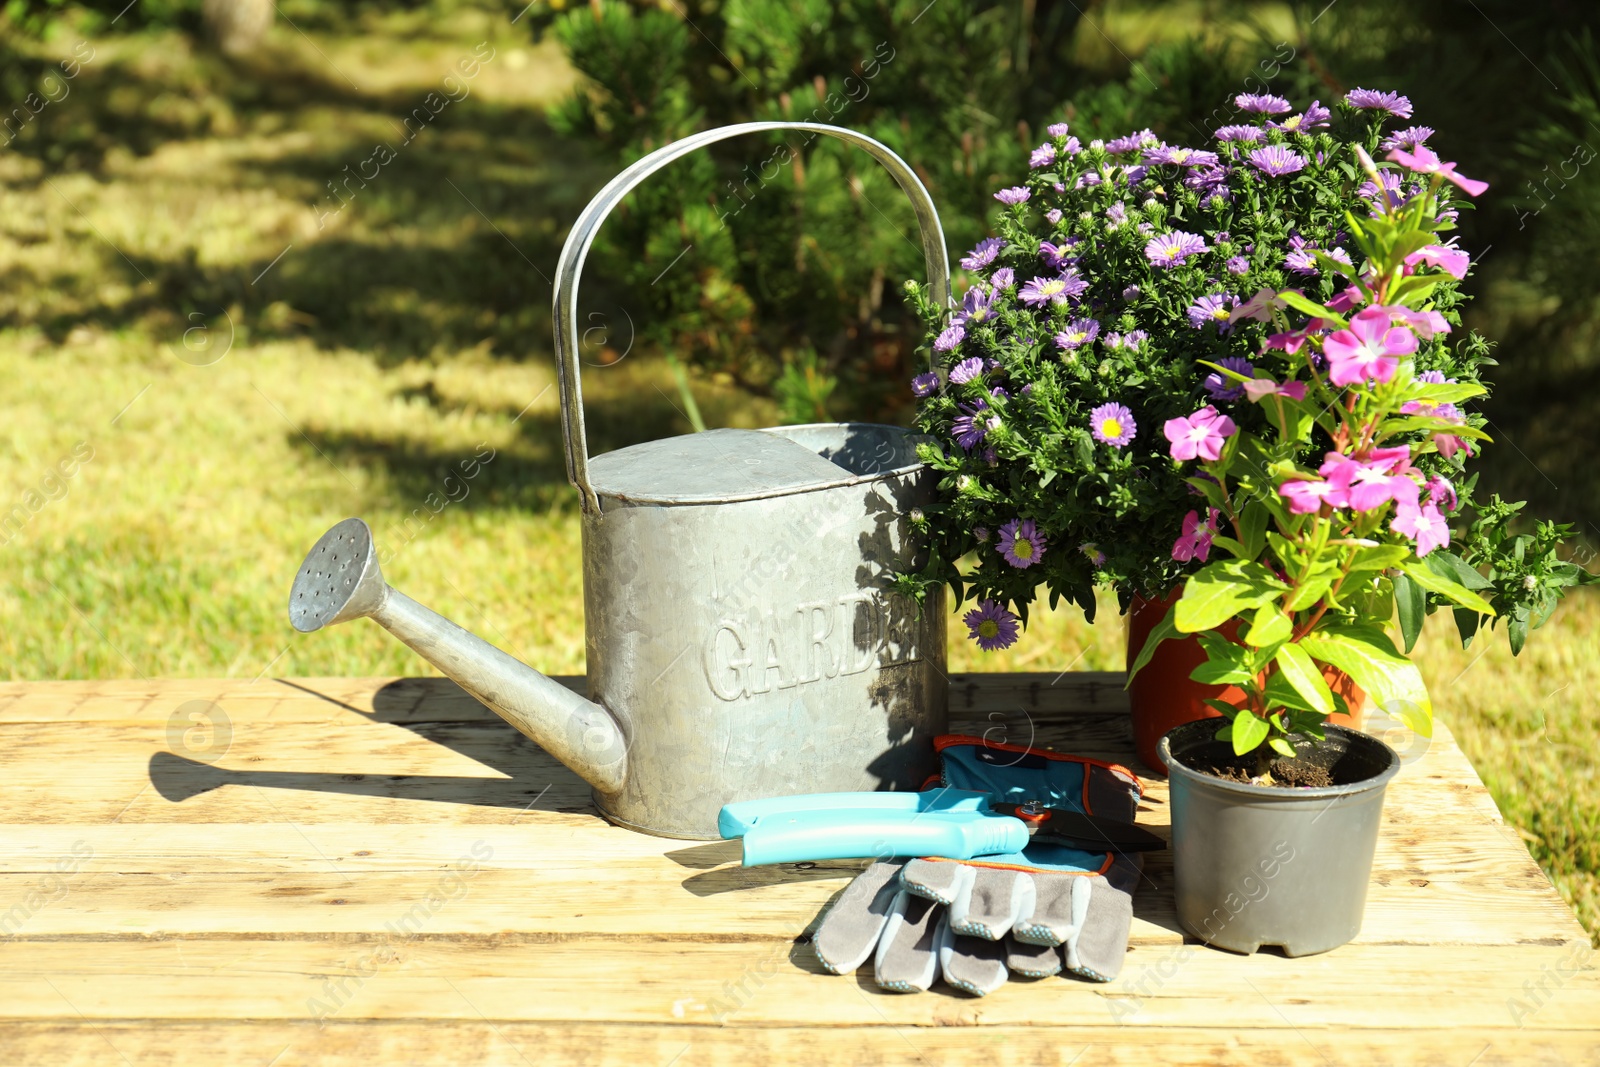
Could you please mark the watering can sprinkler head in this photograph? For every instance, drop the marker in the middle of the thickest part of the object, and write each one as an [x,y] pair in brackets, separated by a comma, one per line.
[341,580]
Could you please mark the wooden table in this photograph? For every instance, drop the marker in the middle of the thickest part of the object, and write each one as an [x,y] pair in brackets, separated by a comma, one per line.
[378,872]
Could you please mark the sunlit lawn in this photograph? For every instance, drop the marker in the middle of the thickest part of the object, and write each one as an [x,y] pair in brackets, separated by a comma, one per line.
[237,403]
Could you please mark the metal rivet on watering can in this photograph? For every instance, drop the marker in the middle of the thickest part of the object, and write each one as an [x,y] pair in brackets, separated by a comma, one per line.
[741,641]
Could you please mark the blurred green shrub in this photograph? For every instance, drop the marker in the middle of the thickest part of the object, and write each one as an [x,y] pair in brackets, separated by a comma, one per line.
[792,257]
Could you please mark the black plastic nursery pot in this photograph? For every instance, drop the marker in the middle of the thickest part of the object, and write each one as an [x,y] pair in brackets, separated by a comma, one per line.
[1275,865]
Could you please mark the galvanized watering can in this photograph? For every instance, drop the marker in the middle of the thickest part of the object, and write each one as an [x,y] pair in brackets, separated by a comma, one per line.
[740,639]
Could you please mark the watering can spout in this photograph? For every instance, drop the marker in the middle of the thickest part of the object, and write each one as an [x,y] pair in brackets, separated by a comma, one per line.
[340,580]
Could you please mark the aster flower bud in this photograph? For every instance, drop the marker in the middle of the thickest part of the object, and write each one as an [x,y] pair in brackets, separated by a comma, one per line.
[1530,583]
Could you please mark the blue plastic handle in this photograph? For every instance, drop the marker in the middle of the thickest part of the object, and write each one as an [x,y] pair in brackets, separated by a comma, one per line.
[837,835]
[736,819]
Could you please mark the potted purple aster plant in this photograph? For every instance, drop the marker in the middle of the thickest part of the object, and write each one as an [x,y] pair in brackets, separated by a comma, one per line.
[1129,294]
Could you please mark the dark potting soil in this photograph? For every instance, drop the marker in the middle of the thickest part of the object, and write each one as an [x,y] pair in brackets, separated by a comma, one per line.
[1285,772]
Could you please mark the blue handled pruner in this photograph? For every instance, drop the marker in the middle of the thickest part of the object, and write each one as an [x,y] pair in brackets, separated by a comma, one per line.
[953,823]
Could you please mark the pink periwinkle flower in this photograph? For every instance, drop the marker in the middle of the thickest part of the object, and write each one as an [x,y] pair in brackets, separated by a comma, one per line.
[1369,350]
[1258,389]
[1447,258]
[1199,435]
[1424,524]
[1195,541]
[1424,160]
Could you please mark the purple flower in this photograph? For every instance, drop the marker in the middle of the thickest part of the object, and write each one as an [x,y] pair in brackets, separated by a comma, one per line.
[975,307]
[1092,551]
[1426,161]
[1239,133]
[1276,160]
[1199,435]
[949,339]
[1368,190]
[1042,156]
[1054,215]
[966,370]
[1117,214]
[1206,179]
[1314,117]
[981,533]
[1003,278]
[924,384]
[1071,147]
[1238,265]
[1131,143]
[1181,157]
[1079,332]
[971,426]
[1128,342]
[1131,293]
[1056,255]
[1087,180]
[982,254]
[991,625]
[1377,100]
[1212,307]
[1014,195]
[1222,387]
[1056,129]
[1020,543]
[1042,291]
[1135,175]
[1262,104]
[1171,249]
[1412,137]
[1112,424]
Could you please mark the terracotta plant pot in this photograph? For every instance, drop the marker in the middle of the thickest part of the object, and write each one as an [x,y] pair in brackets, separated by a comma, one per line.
[1163,696]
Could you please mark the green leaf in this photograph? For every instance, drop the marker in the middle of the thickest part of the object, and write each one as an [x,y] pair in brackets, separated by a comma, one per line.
[1449,565]
[1296,667]
[1158,633]
[1225,542]
[1253,527]
[1412,602]
[1309,592]
[1269,626]
[1366,654]
[1280,694]
[1222,590]
[1517,628]
[1221,705]
[1248,732]
[1378,557]
[1430,579]
[1282,747]
[1300,302]
[1467,623]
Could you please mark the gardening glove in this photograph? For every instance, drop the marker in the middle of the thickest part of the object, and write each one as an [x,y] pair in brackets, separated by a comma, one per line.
[1032,913]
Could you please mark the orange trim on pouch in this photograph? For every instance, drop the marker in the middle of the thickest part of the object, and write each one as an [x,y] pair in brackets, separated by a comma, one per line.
[1104,867]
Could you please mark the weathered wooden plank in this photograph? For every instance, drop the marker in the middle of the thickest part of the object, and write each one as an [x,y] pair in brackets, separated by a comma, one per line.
[780,985]
[67,1042]
[439,699]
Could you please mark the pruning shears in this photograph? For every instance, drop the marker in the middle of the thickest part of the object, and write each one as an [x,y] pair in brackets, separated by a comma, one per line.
[956,824]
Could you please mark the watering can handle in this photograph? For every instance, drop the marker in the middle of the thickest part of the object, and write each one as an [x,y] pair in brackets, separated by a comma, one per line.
[583,233]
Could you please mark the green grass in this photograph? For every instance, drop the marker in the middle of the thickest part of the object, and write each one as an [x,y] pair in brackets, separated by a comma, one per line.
[410,333]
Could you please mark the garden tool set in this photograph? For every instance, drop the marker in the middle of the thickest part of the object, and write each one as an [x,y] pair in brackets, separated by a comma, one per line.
[743,644]
[1006,894]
